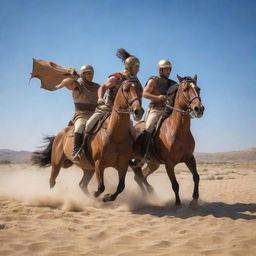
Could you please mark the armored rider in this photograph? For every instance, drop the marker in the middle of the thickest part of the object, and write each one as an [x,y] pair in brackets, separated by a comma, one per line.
[156,90]
[85,99]
[114,81]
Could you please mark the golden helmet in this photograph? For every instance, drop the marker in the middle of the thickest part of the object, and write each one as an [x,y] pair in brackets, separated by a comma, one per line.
[86,68]
[164,64]
[131,61]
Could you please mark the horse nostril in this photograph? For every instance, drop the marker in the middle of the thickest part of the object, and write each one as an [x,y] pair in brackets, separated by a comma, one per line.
[138,113]
[196,109]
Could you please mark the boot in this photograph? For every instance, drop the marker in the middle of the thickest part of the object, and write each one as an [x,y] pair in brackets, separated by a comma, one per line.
[145,143]
[146,137]
[78,141]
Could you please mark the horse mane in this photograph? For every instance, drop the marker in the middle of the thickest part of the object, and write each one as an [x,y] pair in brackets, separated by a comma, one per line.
[185,78]
[189,79]
[123,54]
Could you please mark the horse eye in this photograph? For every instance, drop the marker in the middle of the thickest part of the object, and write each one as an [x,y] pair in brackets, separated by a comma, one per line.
[185,89]
[126,89]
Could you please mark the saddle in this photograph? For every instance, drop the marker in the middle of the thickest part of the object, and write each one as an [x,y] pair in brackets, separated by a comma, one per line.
[156,129]
[94,130]
[100,123]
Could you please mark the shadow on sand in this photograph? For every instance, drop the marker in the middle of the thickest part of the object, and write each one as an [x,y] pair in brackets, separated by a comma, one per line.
[216,209]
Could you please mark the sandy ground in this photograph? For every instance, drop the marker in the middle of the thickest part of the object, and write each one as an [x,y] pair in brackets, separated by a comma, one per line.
[35,220]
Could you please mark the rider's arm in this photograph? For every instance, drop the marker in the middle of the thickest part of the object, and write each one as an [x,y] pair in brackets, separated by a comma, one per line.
[110,83]
[70,84]
[148,92]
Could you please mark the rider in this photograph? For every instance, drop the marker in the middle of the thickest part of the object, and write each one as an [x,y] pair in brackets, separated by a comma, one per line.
[85,99]
[156,90]
[114,81]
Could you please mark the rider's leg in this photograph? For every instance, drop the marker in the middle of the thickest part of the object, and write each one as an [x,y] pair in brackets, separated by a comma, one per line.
[151,121]
[97,115]
[78,138]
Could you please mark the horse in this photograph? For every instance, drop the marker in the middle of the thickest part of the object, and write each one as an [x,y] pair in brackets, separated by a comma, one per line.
[173,143]
[111,146]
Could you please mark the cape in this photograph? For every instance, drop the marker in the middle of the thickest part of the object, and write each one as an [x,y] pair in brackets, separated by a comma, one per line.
[51,74]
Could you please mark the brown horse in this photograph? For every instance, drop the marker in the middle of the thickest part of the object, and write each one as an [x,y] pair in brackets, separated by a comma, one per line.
[173,142]
[111,146]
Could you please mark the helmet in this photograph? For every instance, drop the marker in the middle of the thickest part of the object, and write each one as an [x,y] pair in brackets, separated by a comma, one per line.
[86,68]
[131,61]
[164,64]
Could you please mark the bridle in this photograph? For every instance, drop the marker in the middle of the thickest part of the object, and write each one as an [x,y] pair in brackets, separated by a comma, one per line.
[187,101]
[127,110]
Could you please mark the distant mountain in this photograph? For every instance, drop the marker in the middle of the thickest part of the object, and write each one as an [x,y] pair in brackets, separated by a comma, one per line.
[241,156]
[15,156]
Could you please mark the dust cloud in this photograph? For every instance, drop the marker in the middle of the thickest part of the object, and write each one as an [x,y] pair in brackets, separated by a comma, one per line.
[30,185]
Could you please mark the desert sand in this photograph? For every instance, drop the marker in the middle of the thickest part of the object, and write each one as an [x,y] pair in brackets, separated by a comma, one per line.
[35,220]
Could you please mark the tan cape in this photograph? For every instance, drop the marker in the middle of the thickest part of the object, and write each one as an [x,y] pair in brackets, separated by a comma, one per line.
[51,74]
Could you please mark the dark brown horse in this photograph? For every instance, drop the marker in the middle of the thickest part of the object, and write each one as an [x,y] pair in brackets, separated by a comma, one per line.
[111,146]
[173,142]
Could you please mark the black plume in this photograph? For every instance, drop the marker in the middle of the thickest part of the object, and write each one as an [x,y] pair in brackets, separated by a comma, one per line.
[122,54]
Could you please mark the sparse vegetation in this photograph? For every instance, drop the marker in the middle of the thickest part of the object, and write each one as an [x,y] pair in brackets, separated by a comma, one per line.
[5,162]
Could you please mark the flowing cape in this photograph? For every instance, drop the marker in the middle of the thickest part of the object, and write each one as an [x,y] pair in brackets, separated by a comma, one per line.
[51,74]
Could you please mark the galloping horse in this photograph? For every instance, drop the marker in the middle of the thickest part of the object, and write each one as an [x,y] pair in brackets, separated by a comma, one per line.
[173,142]
[111,146]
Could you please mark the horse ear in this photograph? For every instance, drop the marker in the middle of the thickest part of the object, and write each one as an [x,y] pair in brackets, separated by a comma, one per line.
[195,78]
[180,78]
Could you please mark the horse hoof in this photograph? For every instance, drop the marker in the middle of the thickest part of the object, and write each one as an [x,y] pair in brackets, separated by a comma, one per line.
[52,184]
[193,204]
[108,197]
[96,193]
[84,189]
[178,206]
[150,189]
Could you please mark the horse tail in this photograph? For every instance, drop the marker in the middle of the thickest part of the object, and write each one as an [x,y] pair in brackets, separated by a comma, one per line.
[43,158]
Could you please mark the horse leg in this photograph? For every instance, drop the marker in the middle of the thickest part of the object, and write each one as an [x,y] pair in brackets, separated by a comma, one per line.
[54,173]
[138,177]
[99,169]
[149,169]
[57,157]
[142,180]
[191,164]
[85,180]
[121,185]
[175,184]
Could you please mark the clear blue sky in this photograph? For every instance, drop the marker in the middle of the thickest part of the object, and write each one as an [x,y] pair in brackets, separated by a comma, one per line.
[214,39]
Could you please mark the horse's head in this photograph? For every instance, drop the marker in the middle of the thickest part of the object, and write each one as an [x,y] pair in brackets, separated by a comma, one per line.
[188,96]
[132,92]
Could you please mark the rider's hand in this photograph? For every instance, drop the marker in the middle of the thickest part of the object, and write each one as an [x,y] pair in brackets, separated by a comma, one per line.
[101,101]
[162,98]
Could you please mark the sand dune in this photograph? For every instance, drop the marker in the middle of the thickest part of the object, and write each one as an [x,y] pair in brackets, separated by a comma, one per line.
[35,220]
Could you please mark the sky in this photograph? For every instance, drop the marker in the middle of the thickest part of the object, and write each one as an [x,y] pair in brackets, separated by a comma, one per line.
[215,39]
